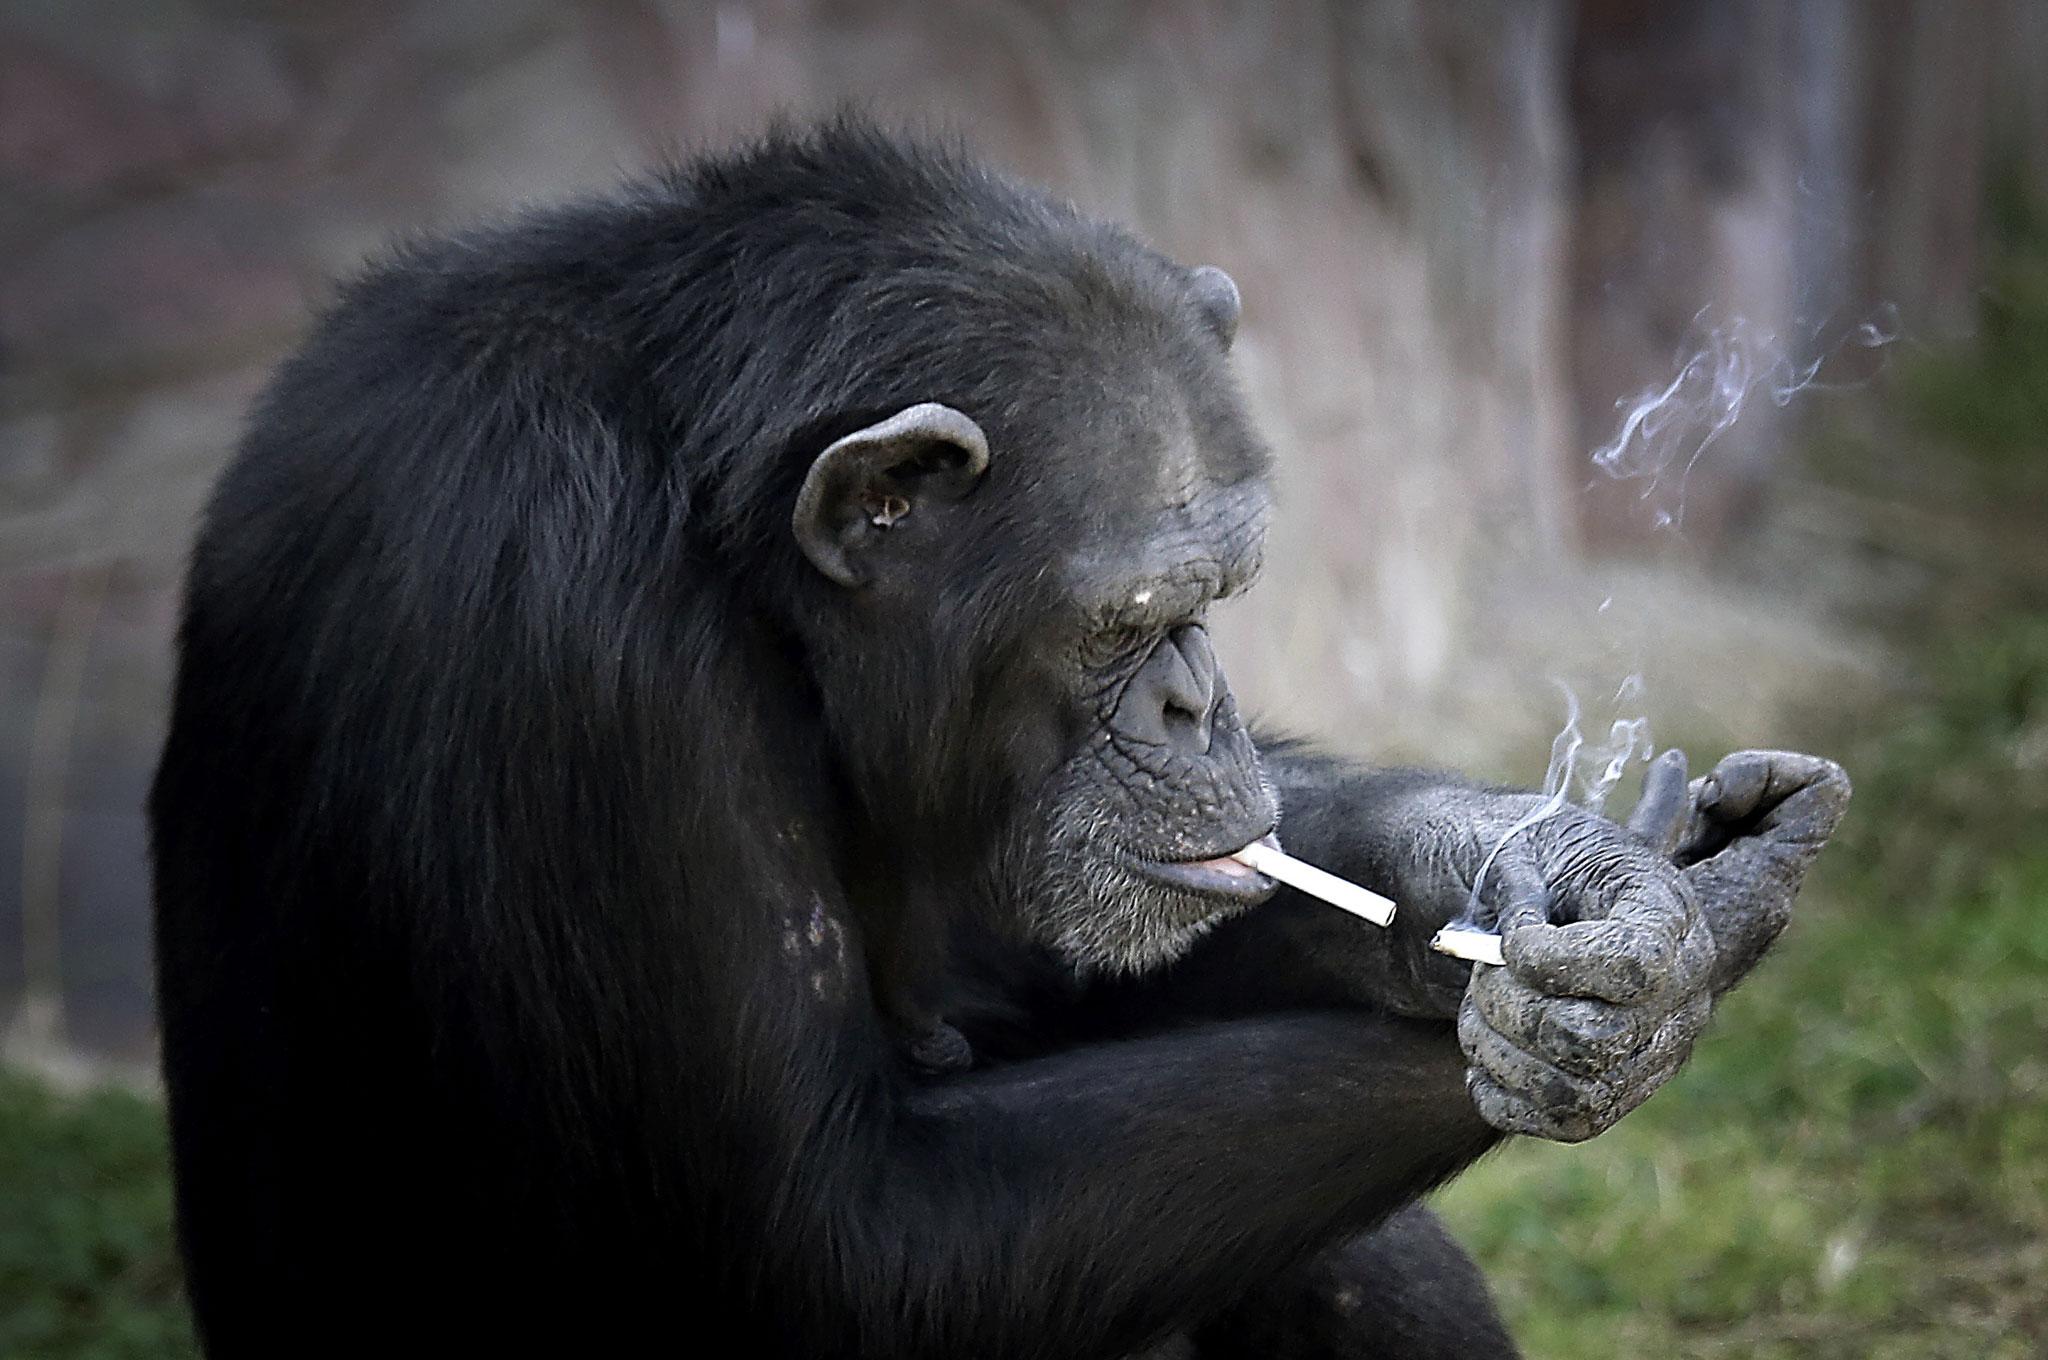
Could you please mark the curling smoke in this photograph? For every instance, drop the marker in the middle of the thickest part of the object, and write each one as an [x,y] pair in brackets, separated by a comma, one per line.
[1590,769]
[1666,430]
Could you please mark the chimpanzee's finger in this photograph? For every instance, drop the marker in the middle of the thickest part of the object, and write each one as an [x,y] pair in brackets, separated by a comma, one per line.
[1785,807]
[1672,1044]
[1793,798]
[1625,958]
[1522,1094]
[1661,813]
[1502,1059]
[1746,894]
[1512,1113]
[1584,1037]
[1702,834]
[1515,890]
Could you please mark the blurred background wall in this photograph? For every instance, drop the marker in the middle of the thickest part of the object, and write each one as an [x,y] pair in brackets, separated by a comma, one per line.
[1464,233]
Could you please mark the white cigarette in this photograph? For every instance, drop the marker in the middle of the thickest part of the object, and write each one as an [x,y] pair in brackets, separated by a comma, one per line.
[1274,862]
[1480,946]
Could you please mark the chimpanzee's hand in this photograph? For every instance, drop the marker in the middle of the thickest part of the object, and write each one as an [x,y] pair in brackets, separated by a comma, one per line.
[1744,837]
[1609,969]
[1749,832]
[1541,866]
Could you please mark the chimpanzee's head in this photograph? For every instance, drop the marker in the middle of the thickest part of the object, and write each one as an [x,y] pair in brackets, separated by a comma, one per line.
[1017,505]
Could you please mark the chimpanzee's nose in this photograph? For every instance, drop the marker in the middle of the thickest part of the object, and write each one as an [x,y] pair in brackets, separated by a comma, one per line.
[1172,699]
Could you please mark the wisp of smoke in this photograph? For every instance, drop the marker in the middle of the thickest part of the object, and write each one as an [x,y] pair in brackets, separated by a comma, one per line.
[1593,769]
[1602,764]
[1665,430]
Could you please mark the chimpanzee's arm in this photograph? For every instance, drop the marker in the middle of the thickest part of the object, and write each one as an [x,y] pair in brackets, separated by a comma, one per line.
[1083,1203]
[1404,1291]
[1743,836]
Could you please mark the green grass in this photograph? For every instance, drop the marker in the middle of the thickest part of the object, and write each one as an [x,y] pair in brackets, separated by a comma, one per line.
[87,1270]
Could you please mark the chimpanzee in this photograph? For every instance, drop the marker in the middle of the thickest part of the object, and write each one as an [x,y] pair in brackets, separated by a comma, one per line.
[655,664]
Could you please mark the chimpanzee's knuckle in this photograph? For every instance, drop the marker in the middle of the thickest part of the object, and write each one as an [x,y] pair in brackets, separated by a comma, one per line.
[1587,959]
[1562,1115]
[1532,1121]
[1548,971]
[1696,968]
[1485,1046]
[1646,952]
[1586,1036]
[1496,1106]
[1506,1003]
[1571,1126]
[1527,1075]
[1472,1029]
[1625,970]
[1559,1090]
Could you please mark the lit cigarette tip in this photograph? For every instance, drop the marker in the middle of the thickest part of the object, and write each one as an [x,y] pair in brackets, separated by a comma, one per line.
[1477,946]
[1274,862]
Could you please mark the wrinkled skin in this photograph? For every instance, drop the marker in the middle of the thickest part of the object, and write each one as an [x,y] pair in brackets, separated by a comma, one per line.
[1753,829]
[1617,940]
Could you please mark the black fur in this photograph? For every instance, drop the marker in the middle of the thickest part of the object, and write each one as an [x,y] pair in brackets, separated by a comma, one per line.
[538,837]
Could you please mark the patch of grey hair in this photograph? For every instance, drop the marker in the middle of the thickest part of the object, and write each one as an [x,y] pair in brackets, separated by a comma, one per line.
[815,941]
[1098,915]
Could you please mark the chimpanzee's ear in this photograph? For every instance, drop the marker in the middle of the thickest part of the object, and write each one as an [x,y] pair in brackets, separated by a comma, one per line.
[865,484]
[1216,298]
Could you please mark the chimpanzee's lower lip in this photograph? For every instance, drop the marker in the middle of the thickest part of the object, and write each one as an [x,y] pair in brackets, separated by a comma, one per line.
[1221,877]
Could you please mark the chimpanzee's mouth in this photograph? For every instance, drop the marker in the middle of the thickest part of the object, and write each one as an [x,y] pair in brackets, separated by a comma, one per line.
[1220,877]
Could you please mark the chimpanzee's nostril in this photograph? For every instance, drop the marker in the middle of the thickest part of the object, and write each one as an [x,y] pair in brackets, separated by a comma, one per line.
[1172,699]
[1190,691]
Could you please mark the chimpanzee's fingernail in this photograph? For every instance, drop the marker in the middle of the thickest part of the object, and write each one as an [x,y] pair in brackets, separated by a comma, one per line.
[1710,792]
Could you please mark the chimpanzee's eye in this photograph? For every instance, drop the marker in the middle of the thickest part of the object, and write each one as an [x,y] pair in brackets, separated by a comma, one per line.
[1109,645]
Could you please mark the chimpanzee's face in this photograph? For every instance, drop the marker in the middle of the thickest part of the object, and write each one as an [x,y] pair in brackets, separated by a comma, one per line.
[1056,572]
[1163,782]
